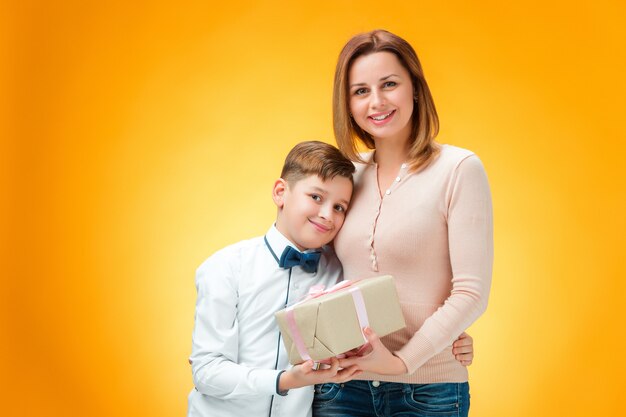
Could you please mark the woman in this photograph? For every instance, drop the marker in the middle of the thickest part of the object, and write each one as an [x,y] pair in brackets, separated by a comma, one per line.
[420,212]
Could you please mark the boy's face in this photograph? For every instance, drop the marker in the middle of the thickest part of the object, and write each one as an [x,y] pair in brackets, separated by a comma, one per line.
[311,211]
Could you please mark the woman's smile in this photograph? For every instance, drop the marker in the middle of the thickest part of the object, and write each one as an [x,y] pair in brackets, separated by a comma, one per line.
[380,119]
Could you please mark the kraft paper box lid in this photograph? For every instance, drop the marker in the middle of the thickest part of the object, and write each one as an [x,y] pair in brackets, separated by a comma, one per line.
[329,324]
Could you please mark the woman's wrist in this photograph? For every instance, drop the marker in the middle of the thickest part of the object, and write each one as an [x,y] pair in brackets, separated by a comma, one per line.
[400,367]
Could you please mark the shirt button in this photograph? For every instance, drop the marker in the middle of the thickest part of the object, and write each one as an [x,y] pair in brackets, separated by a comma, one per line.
[403,166]
[398,179]
[375,384]
[388,192]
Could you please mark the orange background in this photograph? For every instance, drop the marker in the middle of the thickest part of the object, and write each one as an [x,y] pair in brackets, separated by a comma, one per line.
[138,139]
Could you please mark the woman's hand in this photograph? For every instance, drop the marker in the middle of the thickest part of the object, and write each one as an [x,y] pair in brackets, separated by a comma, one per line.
[463,349]
[379,360]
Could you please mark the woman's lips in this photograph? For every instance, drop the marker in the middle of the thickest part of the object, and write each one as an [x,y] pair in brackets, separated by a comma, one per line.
[380,119]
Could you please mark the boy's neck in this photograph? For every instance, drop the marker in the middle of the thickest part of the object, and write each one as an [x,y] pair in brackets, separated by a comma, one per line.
[294,244]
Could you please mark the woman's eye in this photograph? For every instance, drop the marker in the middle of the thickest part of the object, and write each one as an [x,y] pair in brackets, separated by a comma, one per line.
[390,84]
[360,91]
[340,209]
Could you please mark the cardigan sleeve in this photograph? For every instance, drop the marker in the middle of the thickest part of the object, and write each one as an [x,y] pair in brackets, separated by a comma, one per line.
[470,240]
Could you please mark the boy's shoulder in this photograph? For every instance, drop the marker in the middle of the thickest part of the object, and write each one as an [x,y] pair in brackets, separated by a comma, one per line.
[231,255]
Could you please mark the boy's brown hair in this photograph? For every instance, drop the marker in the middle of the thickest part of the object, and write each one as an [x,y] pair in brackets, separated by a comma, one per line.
[315,158]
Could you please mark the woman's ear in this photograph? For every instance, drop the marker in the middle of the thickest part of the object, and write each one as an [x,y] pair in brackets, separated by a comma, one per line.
[278,192]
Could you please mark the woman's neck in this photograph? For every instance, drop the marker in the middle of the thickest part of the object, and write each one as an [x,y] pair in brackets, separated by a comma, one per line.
[390,155]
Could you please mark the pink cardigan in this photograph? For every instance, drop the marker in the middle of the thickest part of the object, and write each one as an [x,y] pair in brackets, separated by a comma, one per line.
[433,231]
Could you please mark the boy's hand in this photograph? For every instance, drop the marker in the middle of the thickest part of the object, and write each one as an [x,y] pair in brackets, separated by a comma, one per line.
[463,349]
[303,374]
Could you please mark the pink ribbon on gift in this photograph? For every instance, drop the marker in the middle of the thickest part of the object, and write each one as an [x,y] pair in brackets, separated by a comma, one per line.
[318,291]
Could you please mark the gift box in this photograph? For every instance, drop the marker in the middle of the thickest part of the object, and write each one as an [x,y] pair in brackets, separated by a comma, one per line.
[329,322]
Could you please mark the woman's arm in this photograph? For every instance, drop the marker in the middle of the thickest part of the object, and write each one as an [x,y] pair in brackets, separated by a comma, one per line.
[470,237]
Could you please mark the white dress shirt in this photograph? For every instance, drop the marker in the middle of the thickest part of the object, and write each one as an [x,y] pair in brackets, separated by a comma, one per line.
[237,352]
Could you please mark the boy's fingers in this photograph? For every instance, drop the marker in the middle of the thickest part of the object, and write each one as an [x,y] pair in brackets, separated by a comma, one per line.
[462,342]
[462,349]
[464,357]
[331,371]
[307,366]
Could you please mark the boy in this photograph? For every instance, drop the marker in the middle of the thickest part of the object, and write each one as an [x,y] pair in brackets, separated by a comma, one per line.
[238,358]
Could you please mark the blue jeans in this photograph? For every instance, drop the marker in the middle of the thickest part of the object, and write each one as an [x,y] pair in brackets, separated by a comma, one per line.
[391,399]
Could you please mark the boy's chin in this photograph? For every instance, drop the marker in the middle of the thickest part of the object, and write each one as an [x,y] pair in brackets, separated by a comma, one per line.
[315,244]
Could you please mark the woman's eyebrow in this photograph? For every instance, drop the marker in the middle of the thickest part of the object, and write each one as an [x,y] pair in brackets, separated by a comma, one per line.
[382,79]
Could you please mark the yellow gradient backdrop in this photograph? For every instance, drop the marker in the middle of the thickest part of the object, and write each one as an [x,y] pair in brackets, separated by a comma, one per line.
[140,137]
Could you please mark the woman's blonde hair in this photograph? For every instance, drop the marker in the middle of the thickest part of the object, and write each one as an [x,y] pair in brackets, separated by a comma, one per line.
[425,122]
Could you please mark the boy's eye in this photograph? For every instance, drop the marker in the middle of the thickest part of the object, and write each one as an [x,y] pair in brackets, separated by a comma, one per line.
[360,91]
[316,197]
[390,84]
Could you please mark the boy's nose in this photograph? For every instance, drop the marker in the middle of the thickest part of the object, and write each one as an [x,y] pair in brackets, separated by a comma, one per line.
[324,212]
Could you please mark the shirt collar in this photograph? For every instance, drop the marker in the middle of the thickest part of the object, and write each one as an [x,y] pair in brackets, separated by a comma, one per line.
[278,242]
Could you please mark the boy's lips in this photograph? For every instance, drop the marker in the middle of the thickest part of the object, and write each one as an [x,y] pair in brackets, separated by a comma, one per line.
[320,227]
[380,119]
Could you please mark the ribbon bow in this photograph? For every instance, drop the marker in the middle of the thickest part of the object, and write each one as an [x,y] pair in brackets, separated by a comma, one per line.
[292,257]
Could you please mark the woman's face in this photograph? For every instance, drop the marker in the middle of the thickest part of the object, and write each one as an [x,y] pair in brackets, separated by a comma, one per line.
[381,96]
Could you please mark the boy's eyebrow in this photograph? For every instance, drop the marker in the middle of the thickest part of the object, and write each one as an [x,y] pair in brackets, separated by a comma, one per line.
[382,79]
[323,191]
[319,190]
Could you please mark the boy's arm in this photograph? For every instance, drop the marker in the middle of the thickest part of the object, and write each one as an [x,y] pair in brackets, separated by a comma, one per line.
[303,374]
[215,348]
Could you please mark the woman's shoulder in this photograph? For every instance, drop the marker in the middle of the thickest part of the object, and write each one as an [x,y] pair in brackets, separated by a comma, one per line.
[454,153]
[367,159]
[450,157]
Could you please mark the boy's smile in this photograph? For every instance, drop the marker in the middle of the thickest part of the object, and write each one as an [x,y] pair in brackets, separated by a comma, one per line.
[311,211]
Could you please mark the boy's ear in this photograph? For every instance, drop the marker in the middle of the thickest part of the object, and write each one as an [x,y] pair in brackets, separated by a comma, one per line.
[278,193]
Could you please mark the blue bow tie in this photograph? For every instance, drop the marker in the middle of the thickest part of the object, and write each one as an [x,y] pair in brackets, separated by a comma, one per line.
[292,257]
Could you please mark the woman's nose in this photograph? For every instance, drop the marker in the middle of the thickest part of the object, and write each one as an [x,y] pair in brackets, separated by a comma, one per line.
[377,99]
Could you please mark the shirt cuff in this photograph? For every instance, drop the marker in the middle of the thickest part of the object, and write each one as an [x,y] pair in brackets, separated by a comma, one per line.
[282,393]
